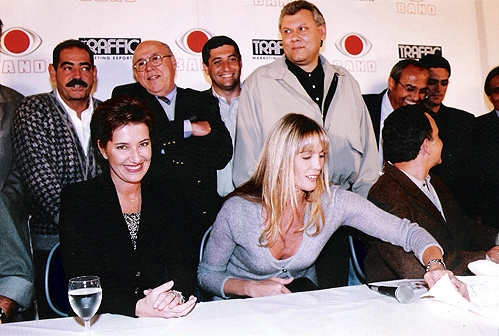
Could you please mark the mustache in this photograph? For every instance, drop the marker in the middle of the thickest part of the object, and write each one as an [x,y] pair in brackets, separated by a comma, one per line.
[77,81]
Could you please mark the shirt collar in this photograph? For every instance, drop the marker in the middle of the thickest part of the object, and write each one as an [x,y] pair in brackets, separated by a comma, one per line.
[67,108]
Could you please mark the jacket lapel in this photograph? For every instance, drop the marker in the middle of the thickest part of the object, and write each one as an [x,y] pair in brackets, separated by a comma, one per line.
[415,193]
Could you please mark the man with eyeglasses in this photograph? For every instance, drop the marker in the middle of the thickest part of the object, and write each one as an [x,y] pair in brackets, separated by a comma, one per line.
[190,141]
[407,85]
[455,129]
[486,155]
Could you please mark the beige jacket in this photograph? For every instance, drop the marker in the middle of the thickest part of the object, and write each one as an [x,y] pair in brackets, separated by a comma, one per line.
[272,91]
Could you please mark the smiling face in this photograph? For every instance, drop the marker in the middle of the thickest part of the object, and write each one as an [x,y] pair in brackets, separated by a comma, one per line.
[128,153]
[308,167]
[437,91]
[157,80]
[301,39]
[74,76]
[411,78]
[224,68]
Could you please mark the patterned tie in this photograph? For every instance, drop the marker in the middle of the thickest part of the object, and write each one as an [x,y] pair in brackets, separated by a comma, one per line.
[166,100]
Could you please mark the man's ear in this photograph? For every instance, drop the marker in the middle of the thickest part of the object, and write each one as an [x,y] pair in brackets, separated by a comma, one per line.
[52,73]
[425,146]
[391,83]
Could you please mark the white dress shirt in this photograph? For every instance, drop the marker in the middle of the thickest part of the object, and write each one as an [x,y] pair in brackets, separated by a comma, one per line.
[81,126]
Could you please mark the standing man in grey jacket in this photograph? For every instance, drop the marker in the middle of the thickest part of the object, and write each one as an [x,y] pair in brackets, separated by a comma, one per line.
[303,81]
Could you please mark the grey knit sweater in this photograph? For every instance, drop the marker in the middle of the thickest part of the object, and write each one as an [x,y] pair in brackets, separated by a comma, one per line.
[233,250]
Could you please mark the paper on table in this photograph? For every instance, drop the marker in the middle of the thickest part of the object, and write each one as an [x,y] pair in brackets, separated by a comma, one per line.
[445,291]
[484,267]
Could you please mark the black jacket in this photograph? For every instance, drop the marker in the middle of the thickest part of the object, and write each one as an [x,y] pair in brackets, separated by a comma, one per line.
[95,241]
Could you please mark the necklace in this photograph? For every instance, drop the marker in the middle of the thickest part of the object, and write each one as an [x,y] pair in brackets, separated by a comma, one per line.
[137,196]
[131,200]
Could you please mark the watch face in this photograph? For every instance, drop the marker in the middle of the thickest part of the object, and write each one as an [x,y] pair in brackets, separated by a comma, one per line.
[3,316]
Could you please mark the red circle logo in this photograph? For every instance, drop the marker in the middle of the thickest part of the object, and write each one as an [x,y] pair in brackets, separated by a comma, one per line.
[19,42]
[192,41]
[353,45]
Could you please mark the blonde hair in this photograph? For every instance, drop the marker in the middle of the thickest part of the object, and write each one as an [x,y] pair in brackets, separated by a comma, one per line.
[273,183]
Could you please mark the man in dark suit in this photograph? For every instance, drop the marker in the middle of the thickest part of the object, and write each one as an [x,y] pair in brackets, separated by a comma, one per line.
[486,153]
[407,85]
[455,129]
[222,63]
[190,141]
[407,189]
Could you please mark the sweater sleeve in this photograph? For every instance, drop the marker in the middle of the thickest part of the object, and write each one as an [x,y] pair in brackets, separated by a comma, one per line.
[361,214]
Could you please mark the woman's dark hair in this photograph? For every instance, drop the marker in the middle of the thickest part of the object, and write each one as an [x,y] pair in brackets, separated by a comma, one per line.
[115,113]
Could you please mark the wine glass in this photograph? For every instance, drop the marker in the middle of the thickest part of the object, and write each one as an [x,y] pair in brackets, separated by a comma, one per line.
[85,295]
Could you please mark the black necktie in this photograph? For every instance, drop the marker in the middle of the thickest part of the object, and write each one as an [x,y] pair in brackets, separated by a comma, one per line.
[166,100]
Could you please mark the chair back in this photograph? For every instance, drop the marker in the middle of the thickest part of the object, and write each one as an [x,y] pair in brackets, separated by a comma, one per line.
[56,284]
[203,242]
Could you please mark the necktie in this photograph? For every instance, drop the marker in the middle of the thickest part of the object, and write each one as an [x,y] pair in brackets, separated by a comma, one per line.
[166,100]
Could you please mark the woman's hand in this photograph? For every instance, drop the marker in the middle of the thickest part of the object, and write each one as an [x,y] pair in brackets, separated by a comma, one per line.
[162,302]
[432,276]
[272,286]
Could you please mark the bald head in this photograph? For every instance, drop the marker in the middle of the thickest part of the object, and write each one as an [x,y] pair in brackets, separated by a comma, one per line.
[158,76]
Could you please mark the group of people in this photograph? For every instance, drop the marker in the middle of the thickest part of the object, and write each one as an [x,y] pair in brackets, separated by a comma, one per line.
[278,166]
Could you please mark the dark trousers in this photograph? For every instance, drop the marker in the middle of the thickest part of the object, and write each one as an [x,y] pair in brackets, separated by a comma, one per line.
[332,265]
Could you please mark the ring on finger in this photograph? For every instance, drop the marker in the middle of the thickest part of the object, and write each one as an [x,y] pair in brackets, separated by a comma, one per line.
[179,295]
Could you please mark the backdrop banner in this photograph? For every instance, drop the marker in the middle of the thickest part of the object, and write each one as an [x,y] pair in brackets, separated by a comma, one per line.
[365,36]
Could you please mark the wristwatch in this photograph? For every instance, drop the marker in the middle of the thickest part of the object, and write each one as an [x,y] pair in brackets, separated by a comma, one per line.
[3,315]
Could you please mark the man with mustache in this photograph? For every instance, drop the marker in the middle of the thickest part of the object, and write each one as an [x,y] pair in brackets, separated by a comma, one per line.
[407,85]
[51,140]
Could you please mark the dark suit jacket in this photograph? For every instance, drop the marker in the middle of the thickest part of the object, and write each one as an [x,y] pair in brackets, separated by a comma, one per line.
[95,241]
[191,163]
[455,129]
[463,240]
[486,168]
[373,103]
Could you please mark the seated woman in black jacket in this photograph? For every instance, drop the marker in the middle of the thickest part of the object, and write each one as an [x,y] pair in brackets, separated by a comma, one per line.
[125,228]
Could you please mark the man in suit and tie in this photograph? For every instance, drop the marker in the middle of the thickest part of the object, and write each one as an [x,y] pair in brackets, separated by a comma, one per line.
[486,155]
[407,189]
[407,85]
[190,141]
[222,63]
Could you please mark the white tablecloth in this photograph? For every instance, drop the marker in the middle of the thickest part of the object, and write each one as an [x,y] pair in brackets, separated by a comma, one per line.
[353,310]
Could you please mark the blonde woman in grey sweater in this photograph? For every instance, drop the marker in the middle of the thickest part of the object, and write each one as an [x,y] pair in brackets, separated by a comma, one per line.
[272,228]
